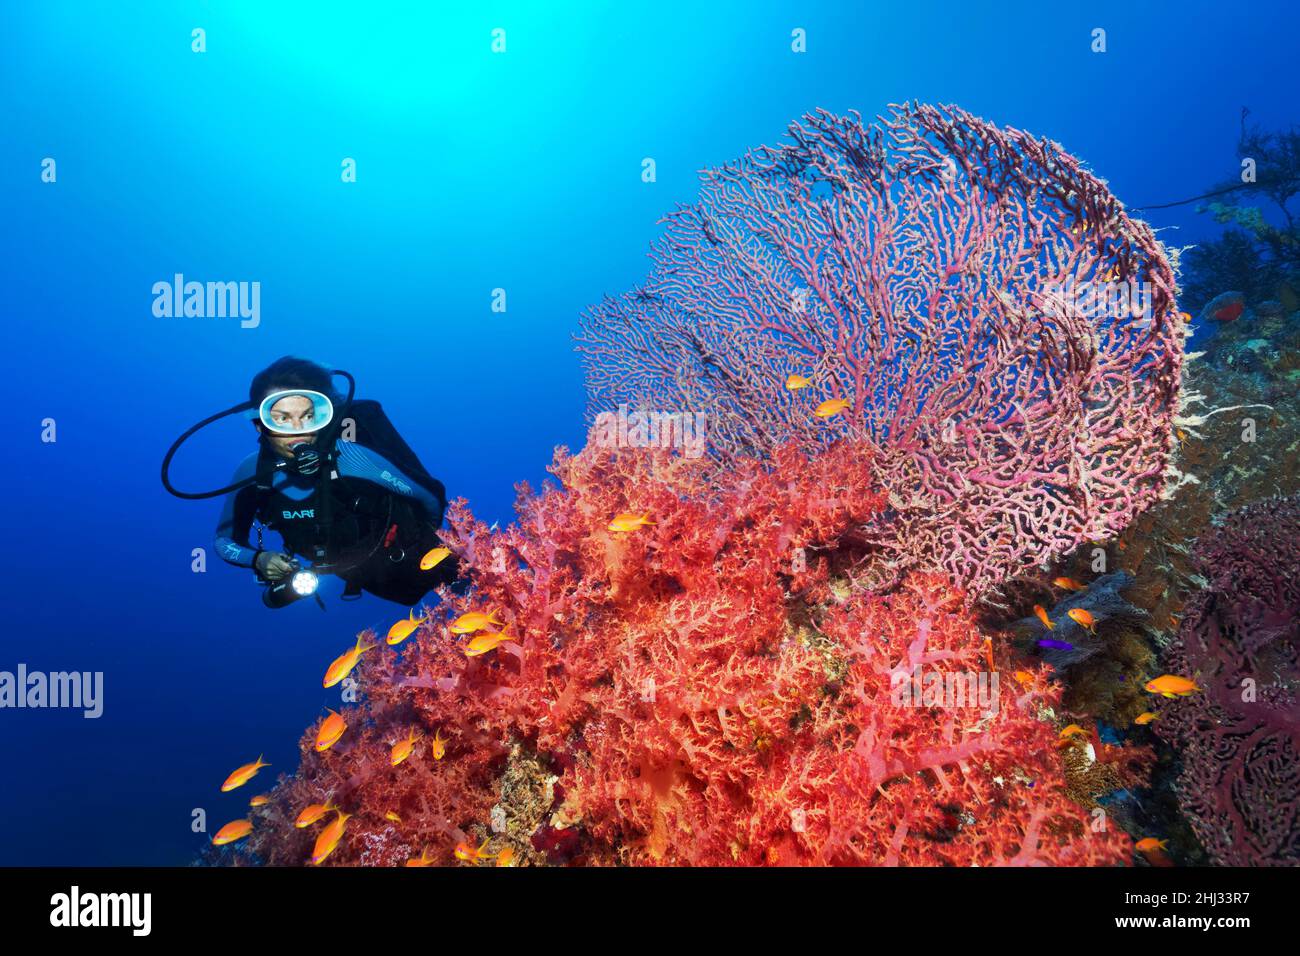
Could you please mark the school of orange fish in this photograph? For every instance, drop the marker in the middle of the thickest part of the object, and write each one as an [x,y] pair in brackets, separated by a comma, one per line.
[333,727]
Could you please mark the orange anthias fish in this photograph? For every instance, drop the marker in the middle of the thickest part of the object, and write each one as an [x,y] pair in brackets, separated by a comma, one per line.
[232,831]
[506,857]
[424,859]
[260,800]
[343,664]
[487,641]
[1081,617]
[439,746]
[433,558]
[392,817]
[796,382]
[831,407]
[402,749]
[329,838]
[1040,612]
[468,854]
[1145,718]
[243,774]
[1069,584]
[1070,731]
[628,522]
[403,629]
[1154,851]
[331,729]
[313,813]
[1023,678]
[473,621]
[1171,685]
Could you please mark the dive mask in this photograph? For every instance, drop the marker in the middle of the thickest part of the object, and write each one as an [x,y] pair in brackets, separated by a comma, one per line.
[294,411]
[298,411]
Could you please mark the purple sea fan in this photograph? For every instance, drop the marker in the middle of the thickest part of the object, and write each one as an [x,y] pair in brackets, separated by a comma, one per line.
[939,273]
[1239,736]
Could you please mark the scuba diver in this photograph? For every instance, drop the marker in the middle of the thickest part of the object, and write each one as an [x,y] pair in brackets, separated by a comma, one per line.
[340,486]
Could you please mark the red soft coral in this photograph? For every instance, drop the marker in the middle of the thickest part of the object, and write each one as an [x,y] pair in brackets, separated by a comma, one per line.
[710,689]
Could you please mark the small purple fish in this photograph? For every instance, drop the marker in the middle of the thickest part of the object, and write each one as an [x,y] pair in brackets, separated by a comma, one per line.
[1055,645]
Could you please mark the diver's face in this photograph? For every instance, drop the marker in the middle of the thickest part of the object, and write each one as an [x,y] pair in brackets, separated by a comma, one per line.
[298,413]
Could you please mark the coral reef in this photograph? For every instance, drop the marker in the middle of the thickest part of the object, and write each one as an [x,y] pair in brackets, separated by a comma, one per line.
[1103,667]
[712,688]
[928,271]
[1238,437]
[1239,737]
[787,652]
[1259,251]
[1259,352]
[1093,773]
[1102,600]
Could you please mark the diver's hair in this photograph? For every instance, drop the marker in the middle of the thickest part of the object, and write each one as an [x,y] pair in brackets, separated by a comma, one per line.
[291,372]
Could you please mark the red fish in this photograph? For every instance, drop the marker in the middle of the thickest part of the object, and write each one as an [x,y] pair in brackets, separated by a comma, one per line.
[1225,308]
[1230,312]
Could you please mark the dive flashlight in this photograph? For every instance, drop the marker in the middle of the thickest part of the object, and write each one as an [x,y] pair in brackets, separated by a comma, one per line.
[299,583]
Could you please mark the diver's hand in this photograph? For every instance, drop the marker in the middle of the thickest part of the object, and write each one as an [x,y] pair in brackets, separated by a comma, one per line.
[273,566]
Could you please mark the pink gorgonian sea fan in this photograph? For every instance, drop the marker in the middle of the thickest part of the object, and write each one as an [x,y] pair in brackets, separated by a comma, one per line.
[1001,329]
[1238,737]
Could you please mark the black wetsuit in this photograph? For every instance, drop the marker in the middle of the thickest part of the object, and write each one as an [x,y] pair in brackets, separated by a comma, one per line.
[380,522]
